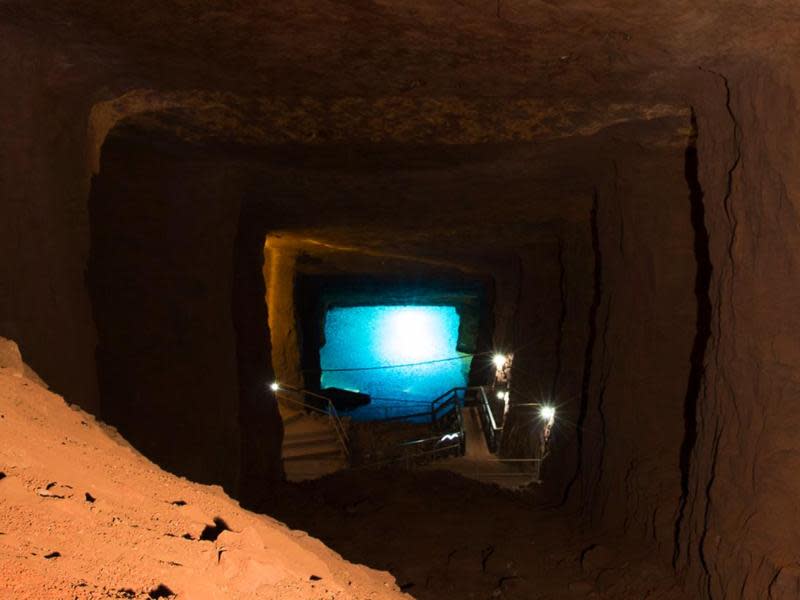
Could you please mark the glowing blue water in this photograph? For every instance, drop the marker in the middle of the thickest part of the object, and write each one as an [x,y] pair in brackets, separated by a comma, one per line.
[386,336]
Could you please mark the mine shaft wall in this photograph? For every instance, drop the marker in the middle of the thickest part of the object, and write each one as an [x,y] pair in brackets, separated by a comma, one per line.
[686,428]
[45,179]
[641,326]
[741,524]
[553,366]
[161,277]
[536,317]
[708,475]
[620,309]
[44,229]
[279,275]
[259,418]
[177,289]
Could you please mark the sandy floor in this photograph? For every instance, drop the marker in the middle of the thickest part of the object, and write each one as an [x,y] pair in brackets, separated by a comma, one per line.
[449,538]
[84,516]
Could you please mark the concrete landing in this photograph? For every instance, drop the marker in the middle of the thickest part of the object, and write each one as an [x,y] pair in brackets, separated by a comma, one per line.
[311,448]
[480,464]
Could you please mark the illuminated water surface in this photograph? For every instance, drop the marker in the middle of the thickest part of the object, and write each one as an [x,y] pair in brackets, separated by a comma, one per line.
[374,337]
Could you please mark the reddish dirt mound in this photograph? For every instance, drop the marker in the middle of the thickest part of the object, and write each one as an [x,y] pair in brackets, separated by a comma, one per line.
[83,515]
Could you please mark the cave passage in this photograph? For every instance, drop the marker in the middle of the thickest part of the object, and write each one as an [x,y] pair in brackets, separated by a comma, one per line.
[402,356]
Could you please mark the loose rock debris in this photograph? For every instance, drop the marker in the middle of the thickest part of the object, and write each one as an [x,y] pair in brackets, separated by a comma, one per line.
[119,548]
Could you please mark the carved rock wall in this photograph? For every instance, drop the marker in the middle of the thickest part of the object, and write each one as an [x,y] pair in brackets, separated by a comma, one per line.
[739,537]
[161,277]
[44,229]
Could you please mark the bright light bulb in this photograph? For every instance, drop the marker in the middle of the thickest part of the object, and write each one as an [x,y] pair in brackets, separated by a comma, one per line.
[499,360]
[501,395]
[274,386]
[547,413]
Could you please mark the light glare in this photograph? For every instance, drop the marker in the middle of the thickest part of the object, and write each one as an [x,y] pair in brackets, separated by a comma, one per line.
[414,334]
[394,353]
[499,360]
[547,413]
[274,386]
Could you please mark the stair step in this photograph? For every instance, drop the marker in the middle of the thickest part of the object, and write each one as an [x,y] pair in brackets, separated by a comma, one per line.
[323,440]
[303,471]
[329,453]
[304,424]
[292,419]
[299,436]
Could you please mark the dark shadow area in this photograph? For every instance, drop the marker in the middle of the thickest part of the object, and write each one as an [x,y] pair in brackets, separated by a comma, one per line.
[259,420]
[448,538]
[160,277]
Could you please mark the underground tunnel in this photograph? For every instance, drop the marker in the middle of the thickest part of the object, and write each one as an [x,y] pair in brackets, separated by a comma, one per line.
[399,343]
[409,350]
[399,299]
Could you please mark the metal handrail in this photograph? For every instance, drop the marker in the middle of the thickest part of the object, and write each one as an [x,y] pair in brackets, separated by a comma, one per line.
[446,402]
[445,399]
[402,417]
[485,402]
[409,459]
[493,431]
[331,412]
[434,438]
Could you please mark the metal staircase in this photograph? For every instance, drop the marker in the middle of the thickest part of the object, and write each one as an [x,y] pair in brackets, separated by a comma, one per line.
[479,460]
[463,436]
[314,440]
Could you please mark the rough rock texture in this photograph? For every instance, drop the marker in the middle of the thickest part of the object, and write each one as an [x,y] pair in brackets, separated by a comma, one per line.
[44,227]
[739,534]
[183,352]
[482,136]
[166,342]
[445,537]
[259,419]
[12,364]
[279,278]
[629,421]
[605,329]
[533,320]
[83,515]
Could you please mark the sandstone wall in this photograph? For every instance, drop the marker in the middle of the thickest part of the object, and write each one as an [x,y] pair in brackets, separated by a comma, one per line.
[625,338]
[279,275]
[572,277]
[44,233]
[534,338]
[676,428]
[686,433]
[740,536]
[643,329]
[161,279]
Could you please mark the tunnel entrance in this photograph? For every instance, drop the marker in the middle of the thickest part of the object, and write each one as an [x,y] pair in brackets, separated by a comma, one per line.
[402,339]
[401,356]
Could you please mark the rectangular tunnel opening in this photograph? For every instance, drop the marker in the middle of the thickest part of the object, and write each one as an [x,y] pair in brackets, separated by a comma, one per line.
[401,356]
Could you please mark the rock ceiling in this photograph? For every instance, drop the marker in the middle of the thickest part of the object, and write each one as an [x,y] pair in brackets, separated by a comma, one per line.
[549,87]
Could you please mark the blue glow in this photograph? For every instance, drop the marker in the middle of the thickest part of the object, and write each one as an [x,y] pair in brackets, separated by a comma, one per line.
[381,336]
